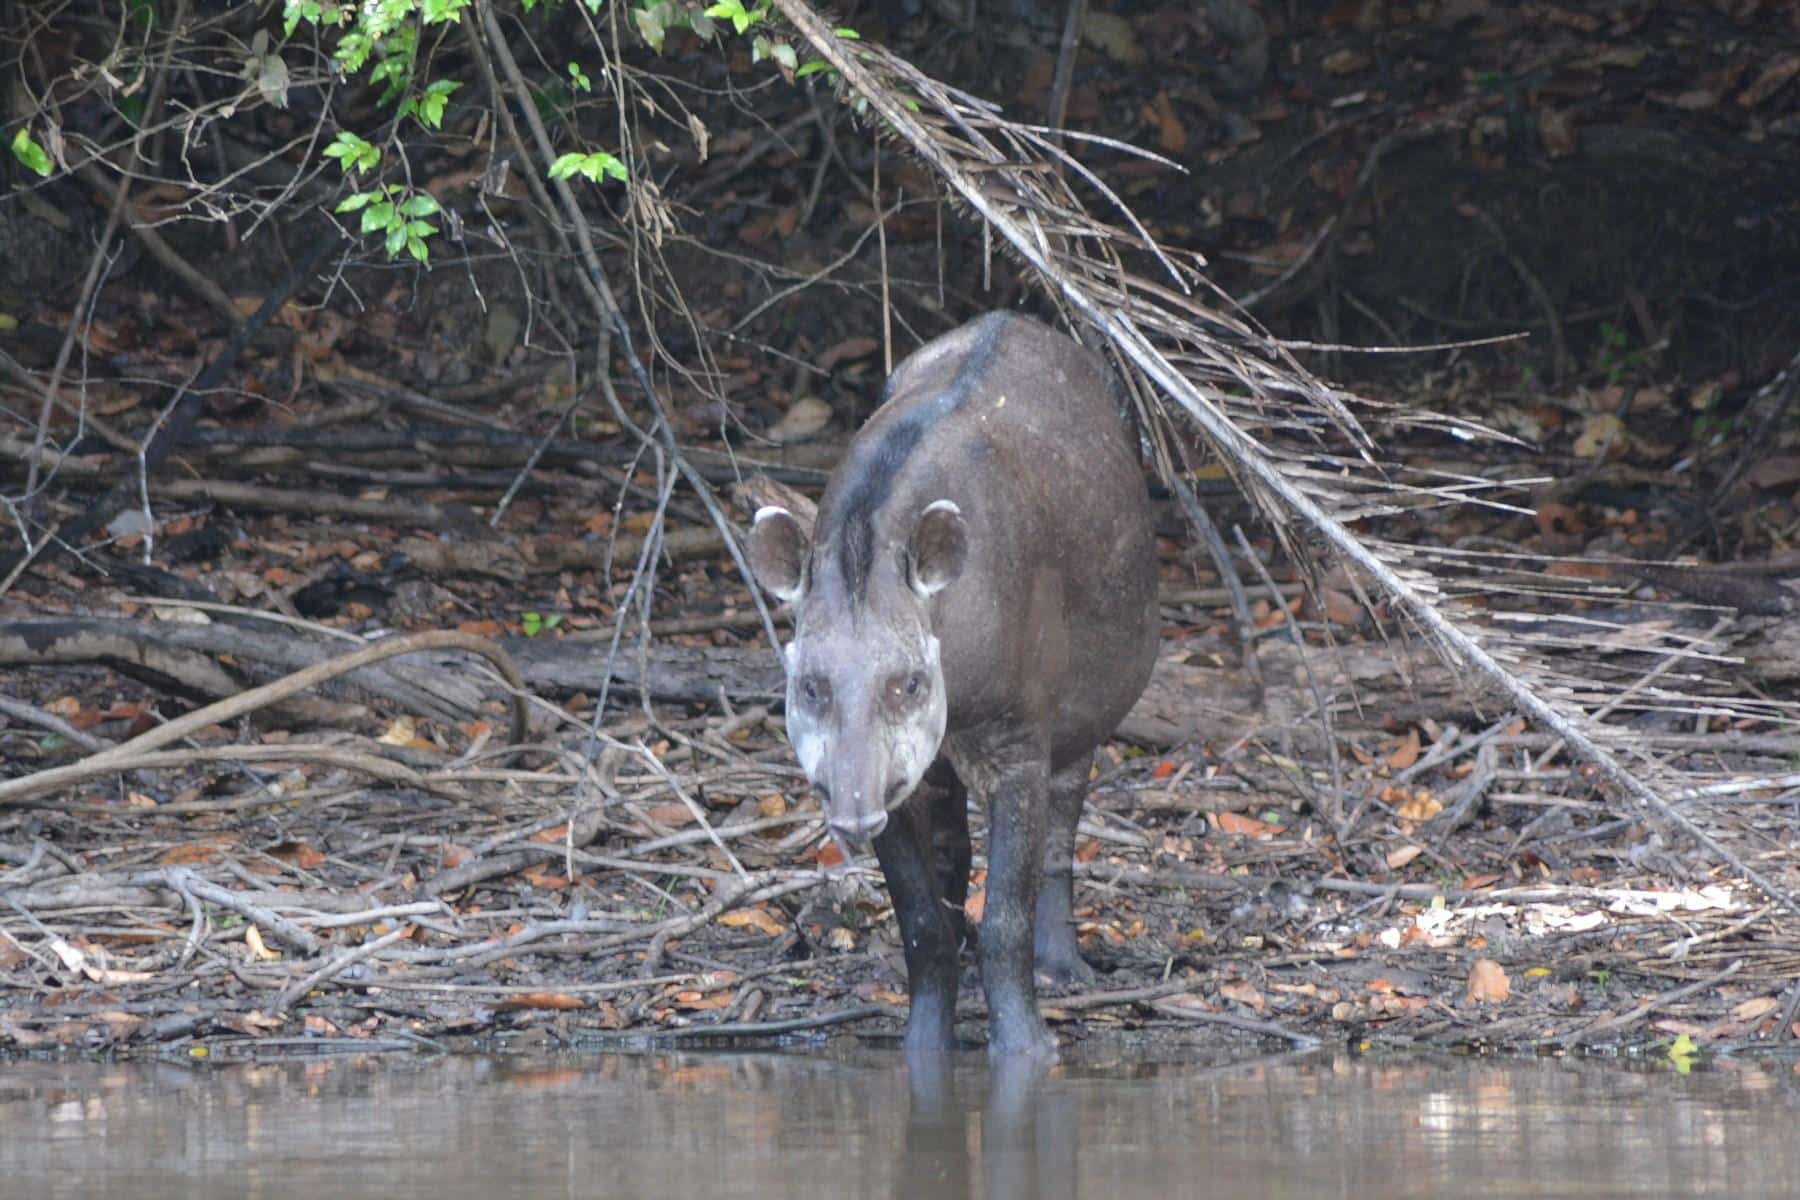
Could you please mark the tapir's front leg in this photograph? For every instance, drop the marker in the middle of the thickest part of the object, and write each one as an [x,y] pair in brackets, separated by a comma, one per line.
[1015,788]
[926,932]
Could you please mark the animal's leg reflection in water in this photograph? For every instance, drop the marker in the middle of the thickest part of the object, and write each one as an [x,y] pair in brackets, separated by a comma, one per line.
[1021,1138]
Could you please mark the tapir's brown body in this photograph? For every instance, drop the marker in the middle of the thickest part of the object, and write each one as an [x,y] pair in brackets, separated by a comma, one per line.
[994,503]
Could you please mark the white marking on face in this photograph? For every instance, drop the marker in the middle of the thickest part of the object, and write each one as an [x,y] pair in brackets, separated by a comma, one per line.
[768,510]
[897,746]
[945,505]
[915,744]
[808,741]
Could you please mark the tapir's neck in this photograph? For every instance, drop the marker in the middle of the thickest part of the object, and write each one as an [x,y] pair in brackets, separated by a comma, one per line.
[878,488]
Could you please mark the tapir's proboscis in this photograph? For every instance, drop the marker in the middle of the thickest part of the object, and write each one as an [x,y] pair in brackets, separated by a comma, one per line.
[974,612]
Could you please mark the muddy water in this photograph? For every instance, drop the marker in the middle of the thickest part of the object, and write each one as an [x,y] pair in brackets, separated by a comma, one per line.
[855,1123]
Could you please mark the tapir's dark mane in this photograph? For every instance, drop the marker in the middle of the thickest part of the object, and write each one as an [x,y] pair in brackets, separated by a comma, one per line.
[874,467]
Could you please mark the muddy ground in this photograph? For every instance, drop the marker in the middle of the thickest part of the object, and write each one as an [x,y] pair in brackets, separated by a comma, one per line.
[368,861]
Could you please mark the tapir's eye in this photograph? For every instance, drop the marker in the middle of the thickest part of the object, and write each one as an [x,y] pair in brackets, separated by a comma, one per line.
[813,690]
[915,683]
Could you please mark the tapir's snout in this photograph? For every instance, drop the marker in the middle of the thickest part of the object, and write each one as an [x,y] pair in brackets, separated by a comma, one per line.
[859,825]
[861,783]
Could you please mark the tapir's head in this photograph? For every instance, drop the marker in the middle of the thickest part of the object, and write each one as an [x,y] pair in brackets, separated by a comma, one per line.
[865,689]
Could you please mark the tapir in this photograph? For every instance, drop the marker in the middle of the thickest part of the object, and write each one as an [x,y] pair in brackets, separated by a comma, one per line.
[974,613]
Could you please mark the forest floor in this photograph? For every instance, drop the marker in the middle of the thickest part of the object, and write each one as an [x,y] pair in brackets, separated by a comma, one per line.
[363,861]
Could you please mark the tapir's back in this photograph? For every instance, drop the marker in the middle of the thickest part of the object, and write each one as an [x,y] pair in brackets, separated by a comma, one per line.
[1054,618]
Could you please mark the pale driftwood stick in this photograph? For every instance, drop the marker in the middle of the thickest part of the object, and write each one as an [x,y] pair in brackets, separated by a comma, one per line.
[1231,1020]
[339,963]
[59,779]
[186,884]
[30,714]
[737,1029]
[1646,1008]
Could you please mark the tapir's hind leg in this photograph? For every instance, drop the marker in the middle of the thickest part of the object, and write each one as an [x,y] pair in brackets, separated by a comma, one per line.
[1015,790]
[949,804]
[1053,938]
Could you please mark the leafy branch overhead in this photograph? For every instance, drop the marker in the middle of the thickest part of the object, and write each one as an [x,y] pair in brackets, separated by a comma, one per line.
[381,42]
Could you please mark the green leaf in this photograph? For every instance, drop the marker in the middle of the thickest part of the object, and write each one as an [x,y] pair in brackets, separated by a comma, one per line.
[431,104]
[420,204]
[272,79]
[30,153]
[354,201]
[438,12]
[352,152]
[353,51]
[396,239]
[848,34]
[596,166]
[378,216]
[650,27]
[734,11]
[1682,1052]
[784,54]
[812,68]
[297,11]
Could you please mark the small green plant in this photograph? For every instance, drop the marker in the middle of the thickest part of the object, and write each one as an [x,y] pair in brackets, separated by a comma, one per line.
[534,623]
[353,153]
[397,215]
[741,18]
[1613,356]
[427,107]
[595,166]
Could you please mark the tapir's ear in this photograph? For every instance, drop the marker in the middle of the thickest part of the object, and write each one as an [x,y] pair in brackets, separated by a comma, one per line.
[940,546]
[778,552]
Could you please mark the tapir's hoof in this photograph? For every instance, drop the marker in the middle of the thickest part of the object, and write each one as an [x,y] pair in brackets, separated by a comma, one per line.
[1036,1046]
[929,1038]
[1061,969]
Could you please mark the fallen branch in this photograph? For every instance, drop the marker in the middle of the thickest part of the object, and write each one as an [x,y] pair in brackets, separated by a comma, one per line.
[128,755]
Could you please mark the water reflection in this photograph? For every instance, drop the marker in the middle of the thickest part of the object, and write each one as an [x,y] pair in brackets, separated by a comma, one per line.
[1111,1125]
